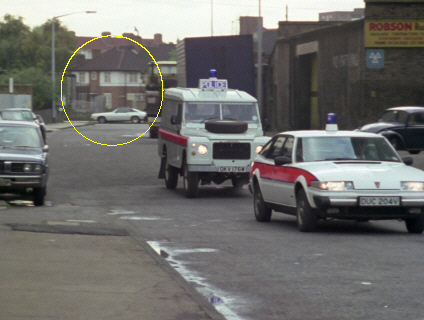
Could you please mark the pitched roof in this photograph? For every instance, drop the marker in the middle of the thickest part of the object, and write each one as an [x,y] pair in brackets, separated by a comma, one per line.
[125,58]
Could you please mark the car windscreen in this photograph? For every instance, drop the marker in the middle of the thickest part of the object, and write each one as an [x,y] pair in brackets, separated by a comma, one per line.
[16,136]
[12,115]
[345,148]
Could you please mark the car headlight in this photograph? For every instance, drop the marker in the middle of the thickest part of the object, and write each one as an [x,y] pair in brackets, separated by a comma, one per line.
[333,185]
[27,167]
[38,168]
[259,148]
[202,149]
[411,186]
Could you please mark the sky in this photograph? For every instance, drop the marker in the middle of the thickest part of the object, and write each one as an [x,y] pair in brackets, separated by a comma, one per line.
[174,19]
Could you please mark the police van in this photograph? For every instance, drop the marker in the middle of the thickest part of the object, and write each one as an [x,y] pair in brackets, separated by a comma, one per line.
[208,134]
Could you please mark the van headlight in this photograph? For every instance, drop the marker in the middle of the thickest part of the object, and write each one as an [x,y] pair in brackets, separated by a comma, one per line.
[202,149]
[259,148]
[333,185]
[411,186]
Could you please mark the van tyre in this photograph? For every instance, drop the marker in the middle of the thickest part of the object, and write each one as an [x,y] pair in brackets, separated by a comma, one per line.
[191,182]
[262,211]
[226,126]
[415,225]
[171,176]
[306,216]
[38,195]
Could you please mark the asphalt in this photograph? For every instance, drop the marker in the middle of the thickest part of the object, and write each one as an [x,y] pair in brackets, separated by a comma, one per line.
[70,271]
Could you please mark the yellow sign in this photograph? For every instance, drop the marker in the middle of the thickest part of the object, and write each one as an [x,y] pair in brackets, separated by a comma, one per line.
[404,33]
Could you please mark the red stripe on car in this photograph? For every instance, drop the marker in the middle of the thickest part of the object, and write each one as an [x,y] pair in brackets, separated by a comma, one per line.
[282,173]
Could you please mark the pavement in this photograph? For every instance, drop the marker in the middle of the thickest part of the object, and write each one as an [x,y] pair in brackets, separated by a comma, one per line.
[71,271]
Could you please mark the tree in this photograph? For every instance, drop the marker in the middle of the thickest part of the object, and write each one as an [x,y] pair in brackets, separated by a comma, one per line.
[26,56]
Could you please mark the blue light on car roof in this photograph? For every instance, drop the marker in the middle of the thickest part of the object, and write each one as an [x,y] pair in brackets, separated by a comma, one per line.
[331,122]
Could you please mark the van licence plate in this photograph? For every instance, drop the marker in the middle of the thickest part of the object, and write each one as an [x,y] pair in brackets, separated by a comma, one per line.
[232,169]
[379,201]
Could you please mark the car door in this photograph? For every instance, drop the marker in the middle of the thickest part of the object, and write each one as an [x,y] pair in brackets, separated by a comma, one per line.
[282,191]
[123,114]
[414,133]
[270,187]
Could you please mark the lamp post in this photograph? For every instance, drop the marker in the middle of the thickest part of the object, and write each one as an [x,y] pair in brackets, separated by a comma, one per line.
[54,60]
[259,38]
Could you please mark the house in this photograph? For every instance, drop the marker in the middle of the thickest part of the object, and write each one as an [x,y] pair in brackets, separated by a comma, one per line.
[110,71]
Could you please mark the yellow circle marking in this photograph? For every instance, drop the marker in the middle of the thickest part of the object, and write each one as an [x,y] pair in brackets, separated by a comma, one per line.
[61,92]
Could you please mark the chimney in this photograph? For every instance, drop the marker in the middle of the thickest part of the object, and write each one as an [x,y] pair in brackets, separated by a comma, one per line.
[157,40]
[106,33]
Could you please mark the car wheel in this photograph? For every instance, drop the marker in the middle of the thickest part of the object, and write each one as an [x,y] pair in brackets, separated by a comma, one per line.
[415,225]
[38,196]
[262,211]
[414,151]
[135,119]
[191,182]
[306,216]
[395,142]
[171,176]
[101,120]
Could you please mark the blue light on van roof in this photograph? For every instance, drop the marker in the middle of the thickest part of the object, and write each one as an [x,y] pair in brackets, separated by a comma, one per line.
[331,118]
[212,73]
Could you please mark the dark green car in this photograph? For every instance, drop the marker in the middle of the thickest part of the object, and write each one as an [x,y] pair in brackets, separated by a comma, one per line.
[23,160]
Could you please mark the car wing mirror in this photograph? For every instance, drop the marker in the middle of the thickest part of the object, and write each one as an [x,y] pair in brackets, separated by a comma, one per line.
[46,148]
[279,161]
[408,161]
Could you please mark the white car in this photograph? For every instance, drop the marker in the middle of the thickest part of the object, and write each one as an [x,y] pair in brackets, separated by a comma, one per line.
[335,174]
[120,114]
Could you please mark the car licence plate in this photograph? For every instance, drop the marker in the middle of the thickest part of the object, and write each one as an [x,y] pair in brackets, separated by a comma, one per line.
[379,201]
[5,182]
[232,169]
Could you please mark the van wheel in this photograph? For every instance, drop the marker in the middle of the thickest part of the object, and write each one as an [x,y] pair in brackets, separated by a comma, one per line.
[171,176]
[237,183]
[191,182]
[306,216]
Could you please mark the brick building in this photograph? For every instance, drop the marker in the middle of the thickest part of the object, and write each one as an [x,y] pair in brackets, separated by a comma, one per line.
[354,69]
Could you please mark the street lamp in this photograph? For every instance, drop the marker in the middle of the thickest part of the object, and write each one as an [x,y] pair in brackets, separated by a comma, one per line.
[54,58]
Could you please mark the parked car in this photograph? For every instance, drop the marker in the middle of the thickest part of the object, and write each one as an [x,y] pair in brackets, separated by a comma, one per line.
[332,174]
[402,126]
[23,160]
[120,114]
[24,114]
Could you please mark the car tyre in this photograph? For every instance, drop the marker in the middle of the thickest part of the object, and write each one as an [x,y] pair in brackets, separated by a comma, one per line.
[38,196]
[262,211]
[415,225]
[135,119]
[306,216]
[191,182]
[414,151]
[171,176]
[101,120]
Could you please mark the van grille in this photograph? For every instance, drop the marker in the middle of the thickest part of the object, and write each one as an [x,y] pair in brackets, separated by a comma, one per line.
[231,150]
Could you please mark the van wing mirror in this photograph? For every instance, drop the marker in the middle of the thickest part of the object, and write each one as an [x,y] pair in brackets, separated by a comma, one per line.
[175,120]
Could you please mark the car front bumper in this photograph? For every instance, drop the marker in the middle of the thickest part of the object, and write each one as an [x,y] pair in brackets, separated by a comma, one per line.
[11,183]
[346,205]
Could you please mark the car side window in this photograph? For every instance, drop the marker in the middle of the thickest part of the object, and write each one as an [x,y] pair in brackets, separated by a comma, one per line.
[416,119]
[276,148]
[287,150]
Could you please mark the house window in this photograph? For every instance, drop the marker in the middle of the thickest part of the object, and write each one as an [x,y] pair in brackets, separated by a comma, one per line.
[93,75]
[82,77]
[108,102]
[133,77]
[107,77]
